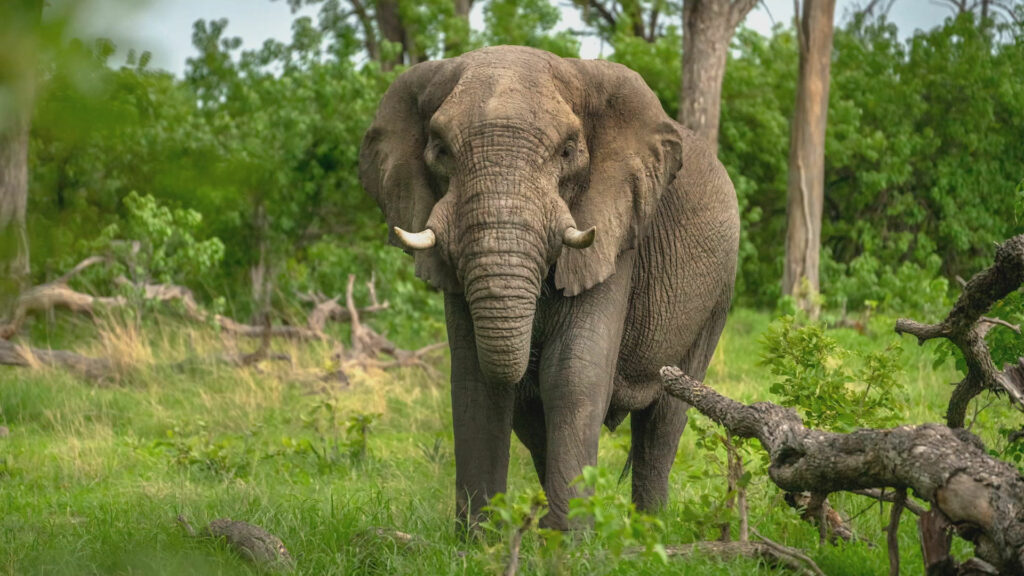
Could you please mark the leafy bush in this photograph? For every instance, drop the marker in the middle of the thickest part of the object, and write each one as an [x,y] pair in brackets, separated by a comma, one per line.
[833,388]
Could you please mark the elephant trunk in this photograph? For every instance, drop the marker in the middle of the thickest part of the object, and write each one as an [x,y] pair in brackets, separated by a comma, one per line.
[504,248]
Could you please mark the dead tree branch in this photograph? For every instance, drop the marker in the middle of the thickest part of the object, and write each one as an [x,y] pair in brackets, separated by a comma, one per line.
[96,369]
[56,294]
[966,328]
[949,468]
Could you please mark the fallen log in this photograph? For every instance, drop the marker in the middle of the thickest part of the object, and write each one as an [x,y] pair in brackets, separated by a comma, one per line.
[981,496]
[96,369]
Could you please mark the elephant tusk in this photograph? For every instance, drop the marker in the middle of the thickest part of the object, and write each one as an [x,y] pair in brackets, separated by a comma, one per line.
[416,240]
[573,238]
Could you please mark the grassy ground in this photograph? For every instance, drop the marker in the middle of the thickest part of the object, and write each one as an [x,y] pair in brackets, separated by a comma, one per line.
[92,477]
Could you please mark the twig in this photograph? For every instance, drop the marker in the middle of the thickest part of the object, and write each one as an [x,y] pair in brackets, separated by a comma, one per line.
[892,532]
[877,494]
[512,566]
[811,565]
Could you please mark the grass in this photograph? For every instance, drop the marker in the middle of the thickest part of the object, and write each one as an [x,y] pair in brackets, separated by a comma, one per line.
[92,477]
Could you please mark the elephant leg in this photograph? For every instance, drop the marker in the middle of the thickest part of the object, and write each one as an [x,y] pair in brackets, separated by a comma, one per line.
[576,371]
[528,424]
[655,436]
[482,417]
[656,429]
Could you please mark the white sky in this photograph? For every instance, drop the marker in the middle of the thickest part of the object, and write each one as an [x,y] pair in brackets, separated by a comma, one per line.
[164,27]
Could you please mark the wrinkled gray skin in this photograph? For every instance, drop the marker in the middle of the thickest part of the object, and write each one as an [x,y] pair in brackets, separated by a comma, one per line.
[497,153]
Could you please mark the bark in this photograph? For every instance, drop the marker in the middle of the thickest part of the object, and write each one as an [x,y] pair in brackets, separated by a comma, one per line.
[806,183]
[949,468]
[390,25]
[966,328]
[19,22]
[708,27]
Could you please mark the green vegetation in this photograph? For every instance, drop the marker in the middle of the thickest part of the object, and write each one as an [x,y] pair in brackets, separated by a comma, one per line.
[923,154]
[93,477]
[246,168]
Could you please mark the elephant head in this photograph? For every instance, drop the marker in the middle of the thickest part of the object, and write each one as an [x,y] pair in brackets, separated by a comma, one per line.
[495,167]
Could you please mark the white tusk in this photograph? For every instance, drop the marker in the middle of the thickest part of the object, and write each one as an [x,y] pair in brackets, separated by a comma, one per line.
[573,238]
[416,240]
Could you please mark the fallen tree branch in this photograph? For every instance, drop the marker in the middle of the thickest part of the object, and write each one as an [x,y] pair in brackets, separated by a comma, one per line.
[97,369]
[950,469]
[56,294]
[770,552]
[966,328]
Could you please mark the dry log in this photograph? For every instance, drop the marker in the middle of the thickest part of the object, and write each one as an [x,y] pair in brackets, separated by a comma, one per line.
[56,294]
[768,551]
[247,540]
[983,497]
[97,369]
[966,328]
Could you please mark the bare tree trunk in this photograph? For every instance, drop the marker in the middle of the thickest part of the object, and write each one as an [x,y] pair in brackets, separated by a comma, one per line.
[807,155]
[708,27]
[260,273]
[19,21]
[369,33]
[390,24]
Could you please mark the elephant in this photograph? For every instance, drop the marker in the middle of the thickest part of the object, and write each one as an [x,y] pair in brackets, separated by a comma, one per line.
[582,240]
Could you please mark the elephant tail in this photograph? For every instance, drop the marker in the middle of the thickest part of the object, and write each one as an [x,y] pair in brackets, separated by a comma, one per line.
[628,467]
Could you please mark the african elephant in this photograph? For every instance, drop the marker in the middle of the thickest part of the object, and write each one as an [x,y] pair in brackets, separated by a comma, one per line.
[582,240]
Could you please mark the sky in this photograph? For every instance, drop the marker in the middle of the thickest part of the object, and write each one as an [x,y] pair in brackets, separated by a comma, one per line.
[164,27]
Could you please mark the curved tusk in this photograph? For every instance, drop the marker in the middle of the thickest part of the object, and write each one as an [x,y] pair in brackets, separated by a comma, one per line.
[416,240]
[573,238]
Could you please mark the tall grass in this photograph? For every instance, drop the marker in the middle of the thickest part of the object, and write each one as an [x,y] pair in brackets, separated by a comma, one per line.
[92,476]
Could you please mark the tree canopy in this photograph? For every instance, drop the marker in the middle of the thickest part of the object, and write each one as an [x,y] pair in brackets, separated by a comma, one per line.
[923,152]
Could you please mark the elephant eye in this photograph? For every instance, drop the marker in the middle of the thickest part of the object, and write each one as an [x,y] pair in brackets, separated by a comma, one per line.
[569,149]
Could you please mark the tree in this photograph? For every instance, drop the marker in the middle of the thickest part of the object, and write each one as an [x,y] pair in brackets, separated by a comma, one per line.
[644,19]
[708,27]
[806,183]
[19,23]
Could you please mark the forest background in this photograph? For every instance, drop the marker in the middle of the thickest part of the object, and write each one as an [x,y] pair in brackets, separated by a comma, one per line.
[253,153]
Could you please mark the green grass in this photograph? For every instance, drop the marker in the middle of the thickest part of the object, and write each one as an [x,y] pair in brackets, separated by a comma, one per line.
[92,477]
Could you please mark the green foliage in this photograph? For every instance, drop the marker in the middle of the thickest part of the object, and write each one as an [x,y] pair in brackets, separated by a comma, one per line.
[527,23]
[324,419]
[706,515]
[922,149]
[617,522]
[833,388]
[159,244]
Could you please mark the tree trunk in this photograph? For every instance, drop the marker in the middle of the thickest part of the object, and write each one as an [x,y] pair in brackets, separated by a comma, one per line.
[19,21]
[260,273]
[807,156]
[708,27]
[390,24]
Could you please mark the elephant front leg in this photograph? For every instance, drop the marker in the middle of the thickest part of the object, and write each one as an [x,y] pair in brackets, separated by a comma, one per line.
[577,369]
[482,417]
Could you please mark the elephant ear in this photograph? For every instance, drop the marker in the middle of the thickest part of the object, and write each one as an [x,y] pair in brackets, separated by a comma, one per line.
[391,164]
[635,153]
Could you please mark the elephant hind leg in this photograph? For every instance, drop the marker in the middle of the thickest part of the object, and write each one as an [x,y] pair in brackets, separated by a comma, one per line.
[655,435]
[528,424]
[657,428]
